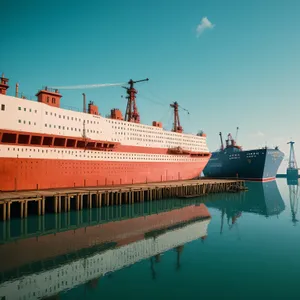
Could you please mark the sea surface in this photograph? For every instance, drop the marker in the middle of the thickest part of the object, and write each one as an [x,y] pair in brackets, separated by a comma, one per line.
[222,246]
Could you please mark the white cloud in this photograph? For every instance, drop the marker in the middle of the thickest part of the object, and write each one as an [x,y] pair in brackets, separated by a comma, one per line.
[204,24]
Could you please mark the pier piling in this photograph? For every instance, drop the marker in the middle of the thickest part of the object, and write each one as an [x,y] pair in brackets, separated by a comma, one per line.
[64,200]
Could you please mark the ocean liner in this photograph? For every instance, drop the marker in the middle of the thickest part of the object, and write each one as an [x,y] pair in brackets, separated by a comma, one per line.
[232,161]
[43,146]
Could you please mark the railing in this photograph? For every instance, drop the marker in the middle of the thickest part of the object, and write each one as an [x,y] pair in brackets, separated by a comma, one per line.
[70,108]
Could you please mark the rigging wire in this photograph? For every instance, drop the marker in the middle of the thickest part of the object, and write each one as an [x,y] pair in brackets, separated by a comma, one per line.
[87,86]
[151,100]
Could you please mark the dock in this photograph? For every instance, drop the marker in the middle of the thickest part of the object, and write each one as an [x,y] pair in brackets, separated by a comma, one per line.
[56,201]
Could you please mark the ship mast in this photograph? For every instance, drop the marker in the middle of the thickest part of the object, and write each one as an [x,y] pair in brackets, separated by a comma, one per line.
[132,114]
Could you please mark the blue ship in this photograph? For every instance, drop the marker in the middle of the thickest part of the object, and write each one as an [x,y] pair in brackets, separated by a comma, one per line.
[232,161]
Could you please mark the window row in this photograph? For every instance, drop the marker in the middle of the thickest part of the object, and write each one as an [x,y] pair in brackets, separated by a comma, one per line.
[29,122]
[71,118]
[25,109]
[105,155]
[71,128]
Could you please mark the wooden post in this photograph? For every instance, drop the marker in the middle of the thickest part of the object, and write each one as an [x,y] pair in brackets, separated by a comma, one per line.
[21,209]
[4,211]
[26,210]
[59,203]
[43,205]
[55,204]
[39,207]
[8,210]
[69,203]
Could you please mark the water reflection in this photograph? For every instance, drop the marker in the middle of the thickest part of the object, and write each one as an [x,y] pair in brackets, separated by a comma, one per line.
[294,195]
[261,198]
[56,262]
[74,254]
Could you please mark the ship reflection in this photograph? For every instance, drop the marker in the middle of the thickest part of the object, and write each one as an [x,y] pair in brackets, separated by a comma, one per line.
[57,262]
[294,195]
[261,198]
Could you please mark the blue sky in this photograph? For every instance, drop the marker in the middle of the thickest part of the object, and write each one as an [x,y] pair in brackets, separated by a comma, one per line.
[242,70]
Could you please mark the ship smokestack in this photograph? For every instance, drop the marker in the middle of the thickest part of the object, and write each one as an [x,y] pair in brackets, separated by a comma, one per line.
[17,90]
[84,103]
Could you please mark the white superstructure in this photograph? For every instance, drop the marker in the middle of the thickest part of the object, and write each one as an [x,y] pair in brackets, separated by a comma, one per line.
[30,116]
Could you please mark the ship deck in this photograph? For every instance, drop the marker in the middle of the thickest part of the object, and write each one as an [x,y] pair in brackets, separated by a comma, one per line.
[62,200]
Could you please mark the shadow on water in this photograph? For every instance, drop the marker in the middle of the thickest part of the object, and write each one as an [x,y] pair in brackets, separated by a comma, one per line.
[47,255]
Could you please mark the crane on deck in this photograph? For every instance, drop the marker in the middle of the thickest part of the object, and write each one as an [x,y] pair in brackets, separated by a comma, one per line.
[176,126]
[131,114]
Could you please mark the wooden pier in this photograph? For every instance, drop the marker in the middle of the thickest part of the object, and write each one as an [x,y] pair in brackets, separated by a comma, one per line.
[64,200]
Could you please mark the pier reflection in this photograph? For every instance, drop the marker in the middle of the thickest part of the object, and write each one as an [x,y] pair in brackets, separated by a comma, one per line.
[63,256]
[261,198]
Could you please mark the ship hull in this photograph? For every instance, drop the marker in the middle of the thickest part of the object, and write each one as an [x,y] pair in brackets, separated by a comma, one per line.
[33,174]
[252,165]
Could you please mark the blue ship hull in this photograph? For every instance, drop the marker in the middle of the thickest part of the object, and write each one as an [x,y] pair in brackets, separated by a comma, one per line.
[256,165]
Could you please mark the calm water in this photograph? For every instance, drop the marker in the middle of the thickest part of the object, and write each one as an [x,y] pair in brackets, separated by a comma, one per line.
[247,249]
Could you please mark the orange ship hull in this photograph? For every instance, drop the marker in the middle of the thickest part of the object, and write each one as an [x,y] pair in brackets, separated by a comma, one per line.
[32,174]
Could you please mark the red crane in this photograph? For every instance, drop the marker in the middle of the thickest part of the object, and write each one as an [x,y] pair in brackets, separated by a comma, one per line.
[176,126]
[132,114]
